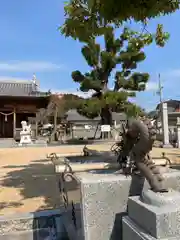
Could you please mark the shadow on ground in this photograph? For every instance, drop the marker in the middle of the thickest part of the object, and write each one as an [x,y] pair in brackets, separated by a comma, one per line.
[174,154]
[174,157]
[33,181]
[10,205]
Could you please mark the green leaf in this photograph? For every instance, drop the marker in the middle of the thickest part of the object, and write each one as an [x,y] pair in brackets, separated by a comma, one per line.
[89,108]
[77,76]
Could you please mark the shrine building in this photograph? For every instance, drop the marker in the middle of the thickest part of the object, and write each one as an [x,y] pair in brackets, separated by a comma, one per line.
[19,100]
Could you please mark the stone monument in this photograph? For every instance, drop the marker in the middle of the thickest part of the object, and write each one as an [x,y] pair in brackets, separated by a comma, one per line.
[104,194]
[165,126]
[104,202]
[153,216]
[100,199]
[178,132]
[25,134]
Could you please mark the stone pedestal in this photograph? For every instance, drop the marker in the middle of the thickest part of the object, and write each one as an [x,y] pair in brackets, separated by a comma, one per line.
[103,203]
[33,226]
[178,132]
[153,216]
[164,116]
[25,138]
[103,198]
[25,134]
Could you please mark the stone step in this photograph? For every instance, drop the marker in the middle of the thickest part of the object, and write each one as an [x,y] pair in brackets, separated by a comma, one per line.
[7,142]
[33,226]
[31,235]
[132,231]
[156,213]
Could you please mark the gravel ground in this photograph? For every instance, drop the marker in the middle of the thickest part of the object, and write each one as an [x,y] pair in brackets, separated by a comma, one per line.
[27,180]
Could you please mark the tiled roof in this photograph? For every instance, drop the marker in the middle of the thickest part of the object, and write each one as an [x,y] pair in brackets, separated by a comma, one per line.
[73,115]
[19,88]
[171,104]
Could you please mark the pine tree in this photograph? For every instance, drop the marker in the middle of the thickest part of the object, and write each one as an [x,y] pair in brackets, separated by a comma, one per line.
[86,20]
[124,52]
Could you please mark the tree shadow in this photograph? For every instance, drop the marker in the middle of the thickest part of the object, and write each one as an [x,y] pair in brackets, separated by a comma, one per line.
[33,181]
[41,161]
[78,141]
[9,205]
[174,154]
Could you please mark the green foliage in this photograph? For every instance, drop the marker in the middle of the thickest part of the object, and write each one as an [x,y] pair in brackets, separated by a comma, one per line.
[91,108]
[87,19]
[132,110]
[124,52]
[119,11]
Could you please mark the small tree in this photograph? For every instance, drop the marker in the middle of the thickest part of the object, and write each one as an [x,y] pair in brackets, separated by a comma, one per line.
[124,52]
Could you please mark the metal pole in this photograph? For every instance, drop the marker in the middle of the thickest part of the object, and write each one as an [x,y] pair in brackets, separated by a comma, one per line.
[160,88]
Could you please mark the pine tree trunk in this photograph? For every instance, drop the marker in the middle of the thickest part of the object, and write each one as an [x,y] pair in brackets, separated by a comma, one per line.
[106,119]
[106,114]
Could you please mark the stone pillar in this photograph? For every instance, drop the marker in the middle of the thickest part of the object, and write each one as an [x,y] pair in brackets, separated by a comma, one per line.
[178,132]
[153,216]
[164,116]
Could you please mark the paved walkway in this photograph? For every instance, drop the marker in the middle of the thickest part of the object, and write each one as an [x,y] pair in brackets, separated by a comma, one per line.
[27,181]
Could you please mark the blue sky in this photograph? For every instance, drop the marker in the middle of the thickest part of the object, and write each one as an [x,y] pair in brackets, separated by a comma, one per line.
[30,42]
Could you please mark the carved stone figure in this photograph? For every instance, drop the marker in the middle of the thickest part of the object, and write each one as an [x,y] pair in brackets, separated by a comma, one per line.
[137,143]
[25,128]
[25,134]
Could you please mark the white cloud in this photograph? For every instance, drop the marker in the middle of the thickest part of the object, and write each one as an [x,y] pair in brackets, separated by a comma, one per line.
[30,66]
[150,86]
[69,91]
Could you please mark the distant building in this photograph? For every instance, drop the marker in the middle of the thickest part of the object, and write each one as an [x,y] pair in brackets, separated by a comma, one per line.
[75,118]
[19,100]
[84,127]
[173,107]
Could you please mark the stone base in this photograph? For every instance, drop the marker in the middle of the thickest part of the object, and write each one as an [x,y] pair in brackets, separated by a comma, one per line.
[25,144]
[157,217]
[41,234]
[32,226]
[131,231]
[167,146]
[104,197]
[161,199]
[103,203]
[73,232]
[25,139]
[40,142]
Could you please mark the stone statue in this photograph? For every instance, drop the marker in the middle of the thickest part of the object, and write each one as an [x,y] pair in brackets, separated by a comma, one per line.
[25,134]
[25,127]
[137,143]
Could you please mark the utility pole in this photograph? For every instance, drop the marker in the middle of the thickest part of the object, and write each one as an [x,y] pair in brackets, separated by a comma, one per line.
[160,88]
